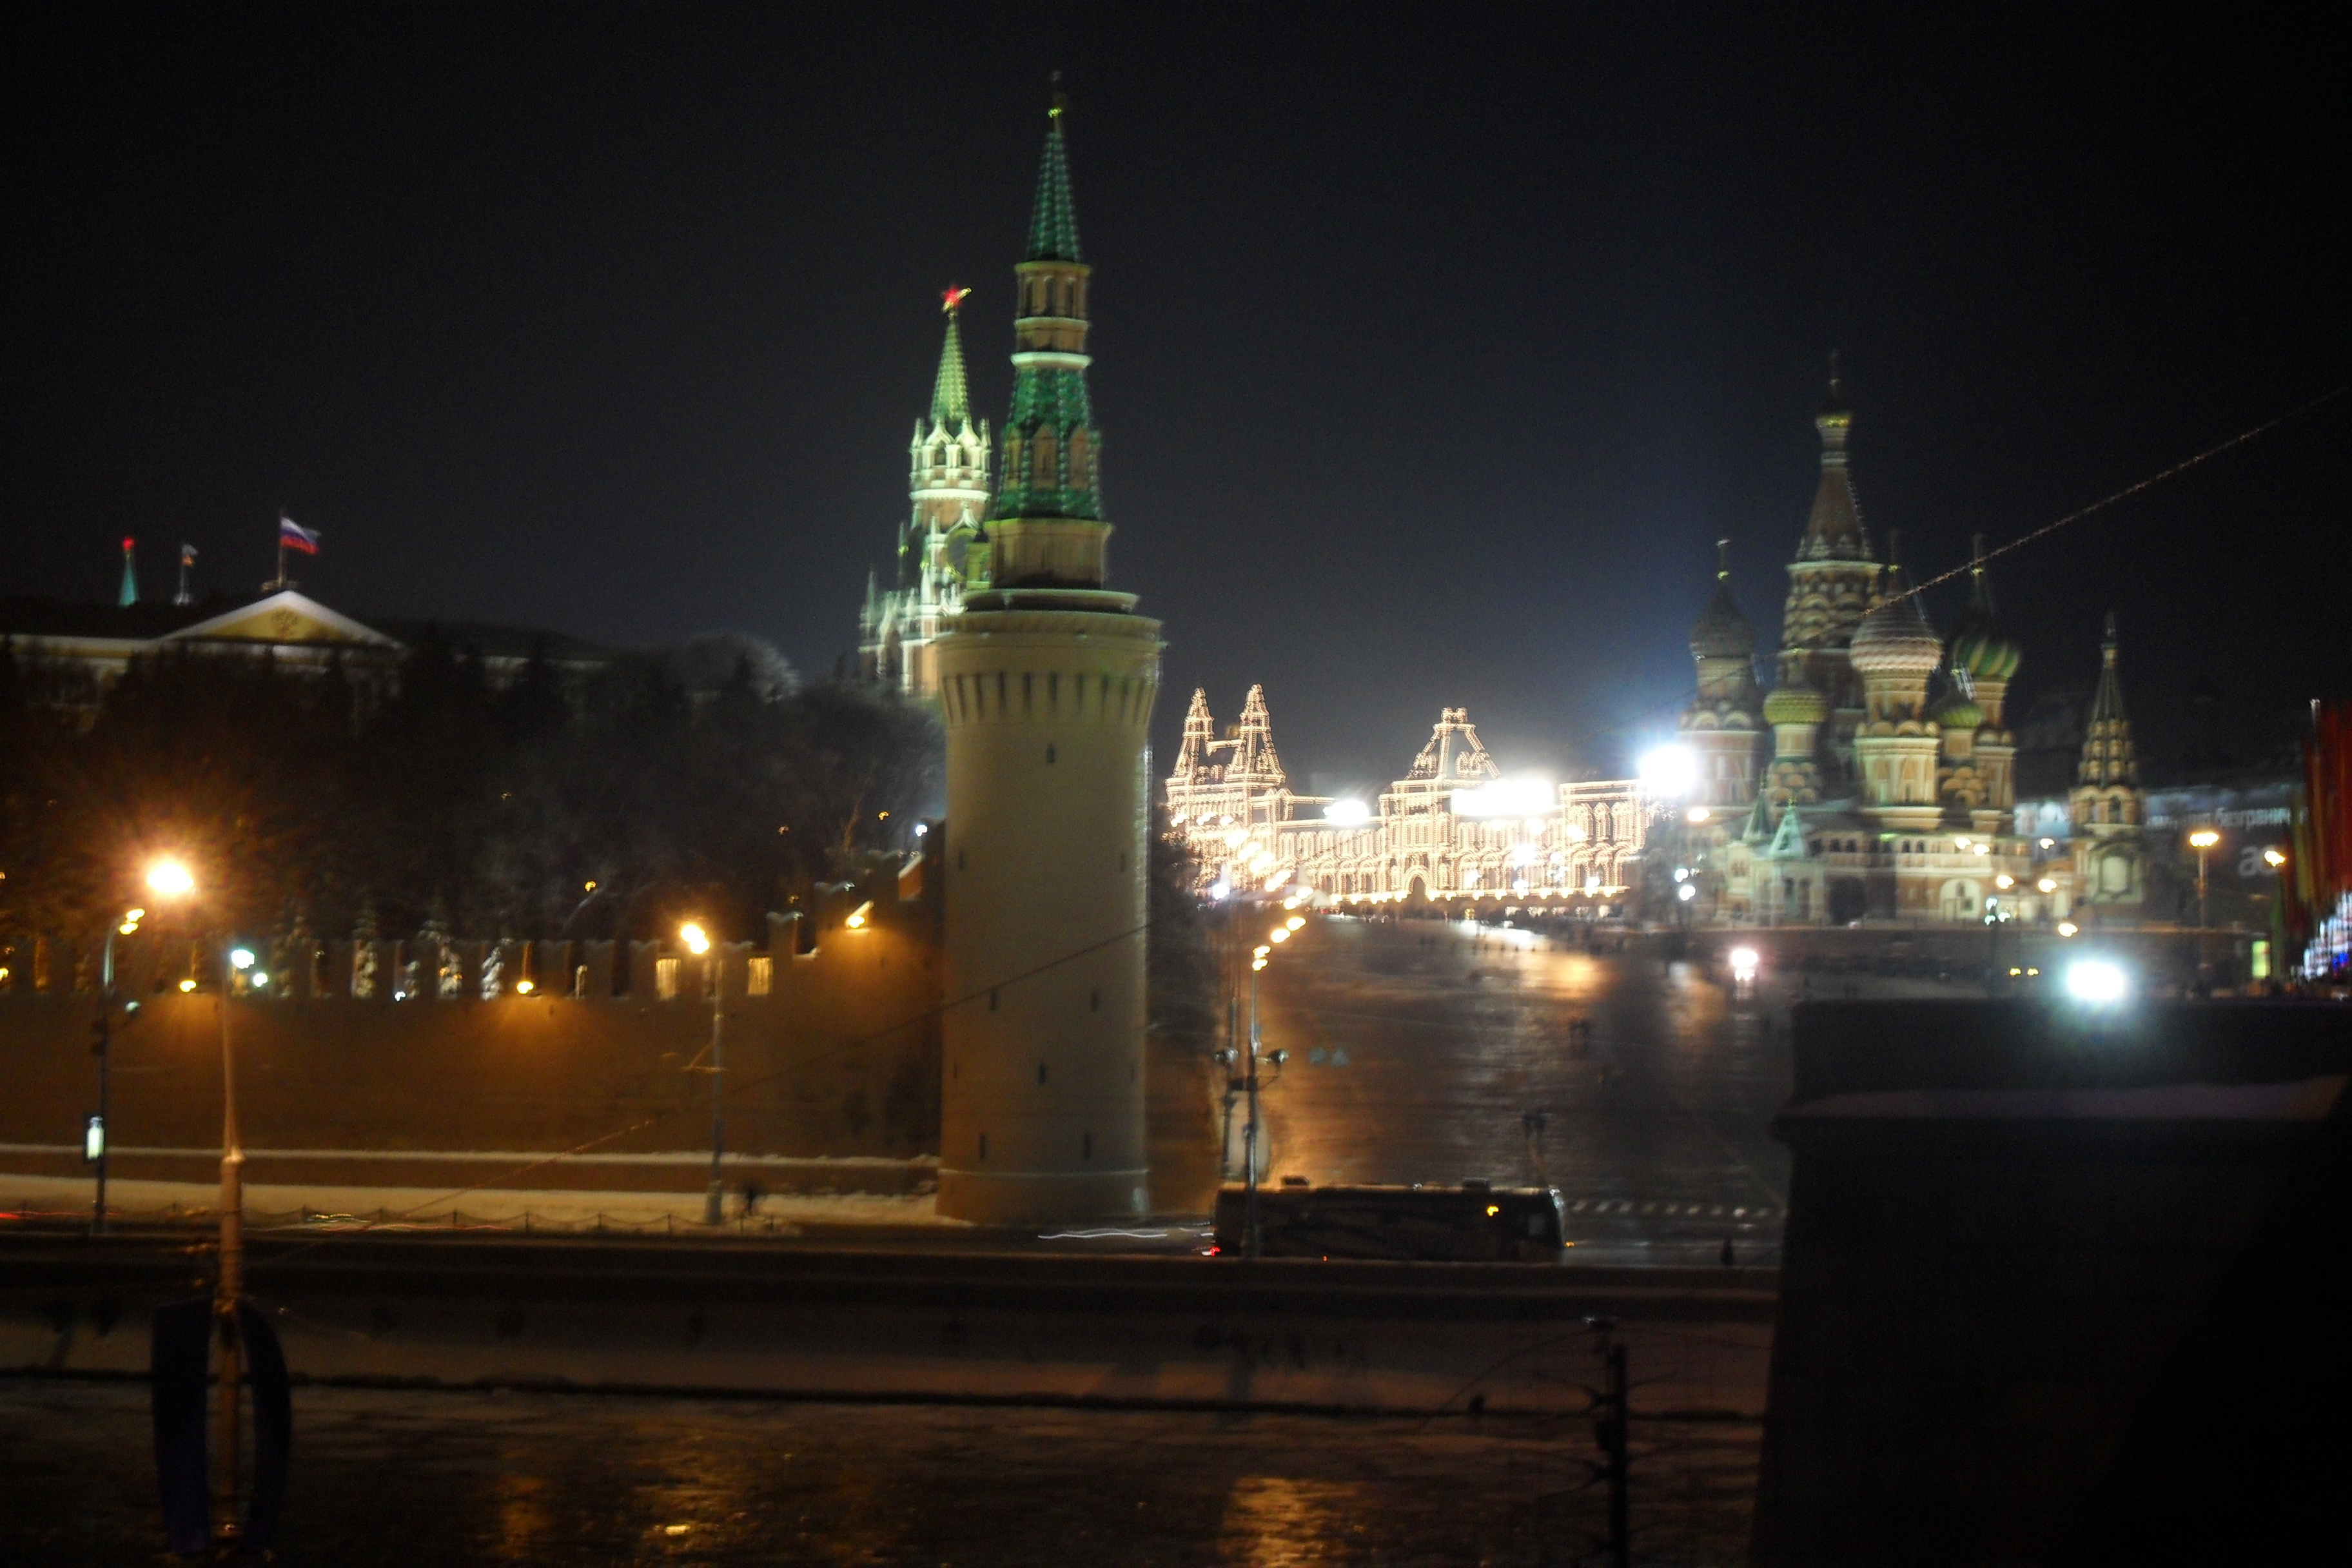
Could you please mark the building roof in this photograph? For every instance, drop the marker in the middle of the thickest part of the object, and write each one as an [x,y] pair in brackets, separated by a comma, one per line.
[1980,646]
[1896,638]
[1052,221]
[1835,529]
[951,402]
[283,618]
[2108,756]
[1722,632]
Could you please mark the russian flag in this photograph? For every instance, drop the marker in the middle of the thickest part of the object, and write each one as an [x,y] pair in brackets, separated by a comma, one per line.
[292,535]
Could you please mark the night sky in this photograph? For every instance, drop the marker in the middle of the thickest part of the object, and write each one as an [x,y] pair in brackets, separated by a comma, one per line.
[1429,361]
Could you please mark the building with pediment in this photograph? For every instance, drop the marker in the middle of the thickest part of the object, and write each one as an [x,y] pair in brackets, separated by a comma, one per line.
[84,649]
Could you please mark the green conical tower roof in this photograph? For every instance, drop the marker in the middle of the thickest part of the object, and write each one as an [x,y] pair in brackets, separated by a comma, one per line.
[1052,223]
[951,402]
[1052,449]
[130,594]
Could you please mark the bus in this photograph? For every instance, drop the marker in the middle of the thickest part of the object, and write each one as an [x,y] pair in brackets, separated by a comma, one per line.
[1472,1222]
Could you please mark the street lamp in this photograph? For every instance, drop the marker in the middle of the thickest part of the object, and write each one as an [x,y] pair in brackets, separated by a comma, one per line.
[714,1203]
[2204,839]
[166,878]
[171,879]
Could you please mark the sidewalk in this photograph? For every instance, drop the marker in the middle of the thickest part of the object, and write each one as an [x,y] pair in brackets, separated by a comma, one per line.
[270,1205]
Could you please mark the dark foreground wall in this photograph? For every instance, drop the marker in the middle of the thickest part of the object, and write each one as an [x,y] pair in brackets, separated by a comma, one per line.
[2062,1287]
[840,1059]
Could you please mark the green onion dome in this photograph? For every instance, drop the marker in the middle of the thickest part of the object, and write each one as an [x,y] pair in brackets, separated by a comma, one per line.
[1983,650]
[1795,705]
[1957,710]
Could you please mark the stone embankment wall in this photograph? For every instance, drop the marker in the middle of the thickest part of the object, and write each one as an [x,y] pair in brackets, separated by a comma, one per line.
[833,1072]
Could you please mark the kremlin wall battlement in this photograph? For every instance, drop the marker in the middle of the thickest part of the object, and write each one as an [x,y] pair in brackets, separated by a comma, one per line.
[837,1059]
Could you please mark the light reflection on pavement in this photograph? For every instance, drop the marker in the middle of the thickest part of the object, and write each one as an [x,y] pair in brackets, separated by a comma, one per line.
[405,1478]
[1417,1048]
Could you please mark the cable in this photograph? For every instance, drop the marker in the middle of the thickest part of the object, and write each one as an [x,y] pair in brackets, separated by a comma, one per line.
[2126,493]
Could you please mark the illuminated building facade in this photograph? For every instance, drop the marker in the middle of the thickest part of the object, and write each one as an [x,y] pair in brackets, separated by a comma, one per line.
[1452,829]
[1886,767]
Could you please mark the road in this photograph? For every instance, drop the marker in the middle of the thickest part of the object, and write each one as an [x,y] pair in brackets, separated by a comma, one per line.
[392,1476]
[1419,1047]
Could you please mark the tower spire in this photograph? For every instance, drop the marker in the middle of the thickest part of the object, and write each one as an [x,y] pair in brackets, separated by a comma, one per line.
[951,402]
[1835,529]
[1052,222]
[1048,530]
[2108,755]
[130,594]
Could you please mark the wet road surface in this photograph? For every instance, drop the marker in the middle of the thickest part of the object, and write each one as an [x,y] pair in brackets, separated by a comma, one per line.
[1419,1050]
[406,1477]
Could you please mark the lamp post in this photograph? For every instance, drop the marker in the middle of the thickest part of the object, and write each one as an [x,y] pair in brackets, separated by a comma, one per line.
[2204,839]
[714,1203]
[94,1140]
[167,879]
[234,960]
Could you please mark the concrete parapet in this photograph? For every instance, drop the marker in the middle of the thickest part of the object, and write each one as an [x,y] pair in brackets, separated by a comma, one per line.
[2056,1283]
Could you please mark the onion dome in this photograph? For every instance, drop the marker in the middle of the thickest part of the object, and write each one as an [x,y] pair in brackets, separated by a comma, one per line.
[1980,646]
[1722,632]
[1957,710]
[1795,705]
[1896,638]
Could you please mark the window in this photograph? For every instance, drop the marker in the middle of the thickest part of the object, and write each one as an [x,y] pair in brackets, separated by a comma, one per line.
[760,976]
[666,978]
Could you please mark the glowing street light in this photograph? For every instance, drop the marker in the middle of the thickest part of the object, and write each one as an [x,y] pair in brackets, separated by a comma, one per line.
[2067,928]
[714,1202]
[1669,771]
[2096,981]
[2046,885]
[2204,839]
[168,880]
[2274,859]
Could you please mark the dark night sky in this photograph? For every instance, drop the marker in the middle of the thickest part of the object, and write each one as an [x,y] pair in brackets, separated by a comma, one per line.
[1429,361]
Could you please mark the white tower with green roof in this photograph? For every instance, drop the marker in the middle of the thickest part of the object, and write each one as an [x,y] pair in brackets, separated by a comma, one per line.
[1046,680]
[947,496]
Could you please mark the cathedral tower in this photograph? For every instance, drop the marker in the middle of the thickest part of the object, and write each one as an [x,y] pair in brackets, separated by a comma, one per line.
[1832,582]
[1893,654]
[1719,727]
[1046,682]
[1987,658]
[2107,808]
